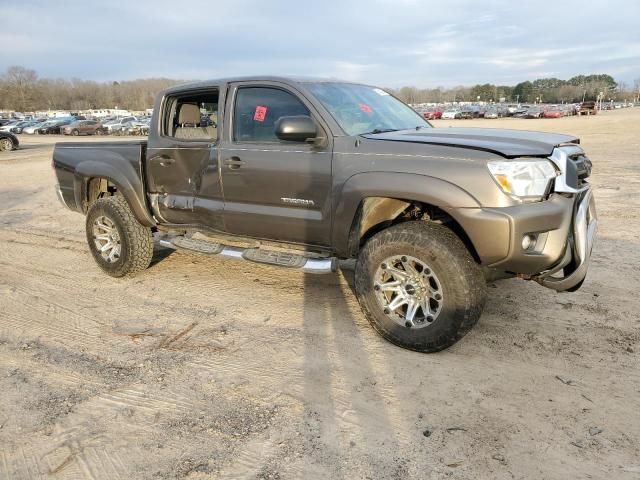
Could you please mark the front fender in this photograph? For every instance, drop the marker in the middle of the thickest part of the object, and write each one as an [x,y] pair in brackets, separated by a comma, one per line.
[402,186]
[121,173]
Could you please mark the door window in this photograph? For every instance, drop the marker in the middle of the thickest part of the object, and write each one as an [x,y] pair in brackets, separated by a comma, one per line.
[192,117]
[257,109]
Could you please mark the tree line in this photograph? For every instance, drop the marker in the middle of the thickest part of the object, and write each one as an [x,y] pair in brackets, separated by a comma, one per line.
[22,90]
[546,90]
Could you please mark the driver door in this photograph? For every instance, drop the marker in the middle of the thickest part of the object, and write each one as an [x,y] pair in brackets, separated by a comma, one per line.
[274,189]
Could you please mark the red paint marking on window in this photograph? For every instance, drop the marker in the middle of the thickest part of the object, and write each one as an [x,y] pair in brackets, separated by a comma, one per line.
[365,108]
[260,113]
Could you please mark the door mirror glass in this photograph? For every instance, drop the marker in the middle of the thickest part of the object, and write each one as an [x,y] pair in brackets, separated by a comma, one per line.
[299,128]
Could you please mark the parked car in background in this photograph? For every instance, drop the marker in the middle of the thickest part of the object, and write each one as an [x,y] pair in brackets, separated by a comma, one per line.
[115,125]
[20,125]
[553,112]
[491,112]
[35,129]
[31,129]
[588,108]
[534,112]
[512,109]
[84,127]
[521,112]
[451,113]
[133,127]
[8,141]
[468,113]
[474,110]
[432,113]
[9,125]
[54,127]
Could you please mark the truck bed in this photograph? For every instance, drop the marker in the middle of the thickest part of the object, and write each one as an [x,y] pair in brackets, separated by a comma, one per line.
[121,161]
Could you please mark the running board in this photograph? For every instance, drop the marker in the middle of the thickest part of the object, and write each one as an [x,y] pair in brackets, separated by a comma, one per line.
[257,255]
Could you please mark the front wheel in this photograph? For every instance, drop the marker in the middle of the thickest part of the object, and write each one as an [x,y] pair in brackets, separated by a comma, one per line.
[119,244]
[419,287]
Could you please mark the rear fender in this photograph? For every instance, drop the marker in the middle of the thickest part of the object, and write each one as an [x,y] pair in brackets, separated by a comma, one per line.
[120,173]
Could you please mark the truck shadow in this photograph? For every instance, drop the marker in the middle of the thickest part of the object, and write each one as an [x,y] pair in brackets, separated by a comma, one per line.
[14,210]
[347,406]
[160,254]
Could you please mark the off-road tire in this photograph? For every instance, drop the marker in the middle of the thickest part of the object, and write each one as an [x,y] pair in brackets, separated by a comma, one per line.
[6,144]
[462,282]
[135,239]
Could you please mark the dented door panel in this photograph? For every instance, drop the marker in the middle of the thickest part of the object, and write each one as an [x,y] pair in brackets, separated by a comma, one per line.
[179,173]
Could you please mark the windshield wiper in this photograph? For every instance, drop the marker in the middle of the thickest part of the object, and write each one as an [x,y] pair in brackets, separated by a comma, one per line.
[381,130]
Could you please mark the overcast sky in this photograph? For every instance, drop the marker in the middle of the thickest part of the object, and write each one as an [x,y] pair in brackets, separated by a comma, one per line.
[424,43]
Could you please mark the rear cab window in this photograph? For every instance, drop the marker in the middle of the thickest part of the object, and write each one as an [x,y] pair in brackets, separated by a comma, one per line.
[192,116]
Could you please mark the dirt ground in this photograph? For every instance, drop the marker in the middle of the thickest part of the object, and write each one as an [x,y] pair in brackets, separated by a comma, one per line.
[206,368]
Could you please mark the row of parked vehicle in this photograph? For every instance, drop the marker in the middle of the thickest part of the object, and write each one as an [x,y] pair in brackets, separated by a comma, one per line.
[508,110]
[77,125]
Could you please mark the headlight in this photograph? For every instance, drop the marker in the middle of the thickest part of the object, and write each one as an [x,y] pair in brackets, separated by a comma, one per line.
[525,179]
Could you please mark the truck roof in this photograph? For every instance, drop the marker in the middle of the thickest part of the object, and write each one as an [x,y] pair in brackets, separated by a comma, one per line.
[291,80]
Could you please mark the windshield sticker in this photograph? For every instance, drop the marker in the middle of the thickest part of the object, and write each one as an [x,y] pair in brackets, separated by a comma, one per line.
[260,113]
[379,91]
[365,108]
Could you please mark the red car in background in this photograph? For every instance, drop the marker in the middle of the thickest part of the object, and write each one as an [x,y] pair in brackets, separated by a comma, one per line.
[432,114]
[552,113]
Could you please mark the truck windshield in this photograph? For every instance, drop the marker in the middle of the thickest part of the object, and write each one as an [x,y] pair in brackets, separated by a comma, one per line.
[361,109]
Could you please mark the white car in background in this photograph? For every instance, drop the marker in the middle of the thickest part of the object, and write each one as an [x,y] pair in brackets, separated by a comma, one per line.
[31,129]
[8,126]
[491,113]
[451,113]
[119,124]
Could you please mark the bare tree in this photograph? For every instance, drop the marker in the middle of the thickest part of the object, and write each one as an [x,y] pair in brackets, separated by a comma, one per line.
[19,84]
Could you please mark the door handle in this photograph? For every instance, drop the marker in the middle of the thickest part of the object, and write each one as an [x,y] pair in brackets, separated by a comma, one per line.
[233,162]
[164,160]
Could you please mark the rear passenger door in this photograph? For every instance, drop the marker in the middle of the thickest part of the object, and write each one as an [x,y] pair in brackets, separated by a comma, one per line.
[88,126]
[274,189]
[182,161]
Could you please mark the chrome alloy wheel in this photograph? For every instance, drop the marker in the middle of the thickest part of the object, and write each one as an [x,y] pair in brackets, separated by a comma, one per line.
[408,291]
[6,144]
[106,239]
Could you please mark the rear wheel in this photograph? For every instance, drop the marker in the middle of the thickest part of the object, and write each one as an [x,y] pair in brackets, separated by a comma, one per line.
[119,244]
[419,287]
[6,144]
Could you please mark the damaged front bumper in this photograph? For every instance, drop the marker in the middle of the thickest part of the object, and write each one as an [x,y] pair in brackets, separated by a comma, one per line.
[571,271]
[563,228]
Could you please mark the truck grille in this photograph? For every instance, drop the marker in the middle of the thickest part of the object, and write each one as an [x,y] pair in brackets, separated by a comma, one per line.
[574,166]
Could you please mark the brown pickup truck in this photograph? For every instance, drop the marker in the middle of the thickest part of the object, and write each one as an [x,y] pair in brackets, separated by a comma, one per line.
[588,108]
[304,173]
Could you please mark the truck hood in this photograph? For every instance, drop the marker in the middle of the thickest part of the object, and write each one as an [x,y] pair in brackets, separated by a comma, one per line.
[508,143]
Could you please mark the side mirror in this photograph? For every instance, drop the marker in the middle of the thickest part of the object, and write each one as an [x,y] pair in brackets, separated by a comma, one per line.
[299,128]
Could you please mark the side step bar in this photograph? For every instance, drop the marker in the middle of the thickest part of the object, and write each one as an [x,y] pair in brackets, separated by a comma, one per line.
[257,255]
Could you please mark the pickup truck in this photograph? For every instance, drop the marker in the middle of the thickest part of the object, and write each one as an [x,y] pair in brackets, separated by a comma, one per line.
[588,108]
[302,173]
